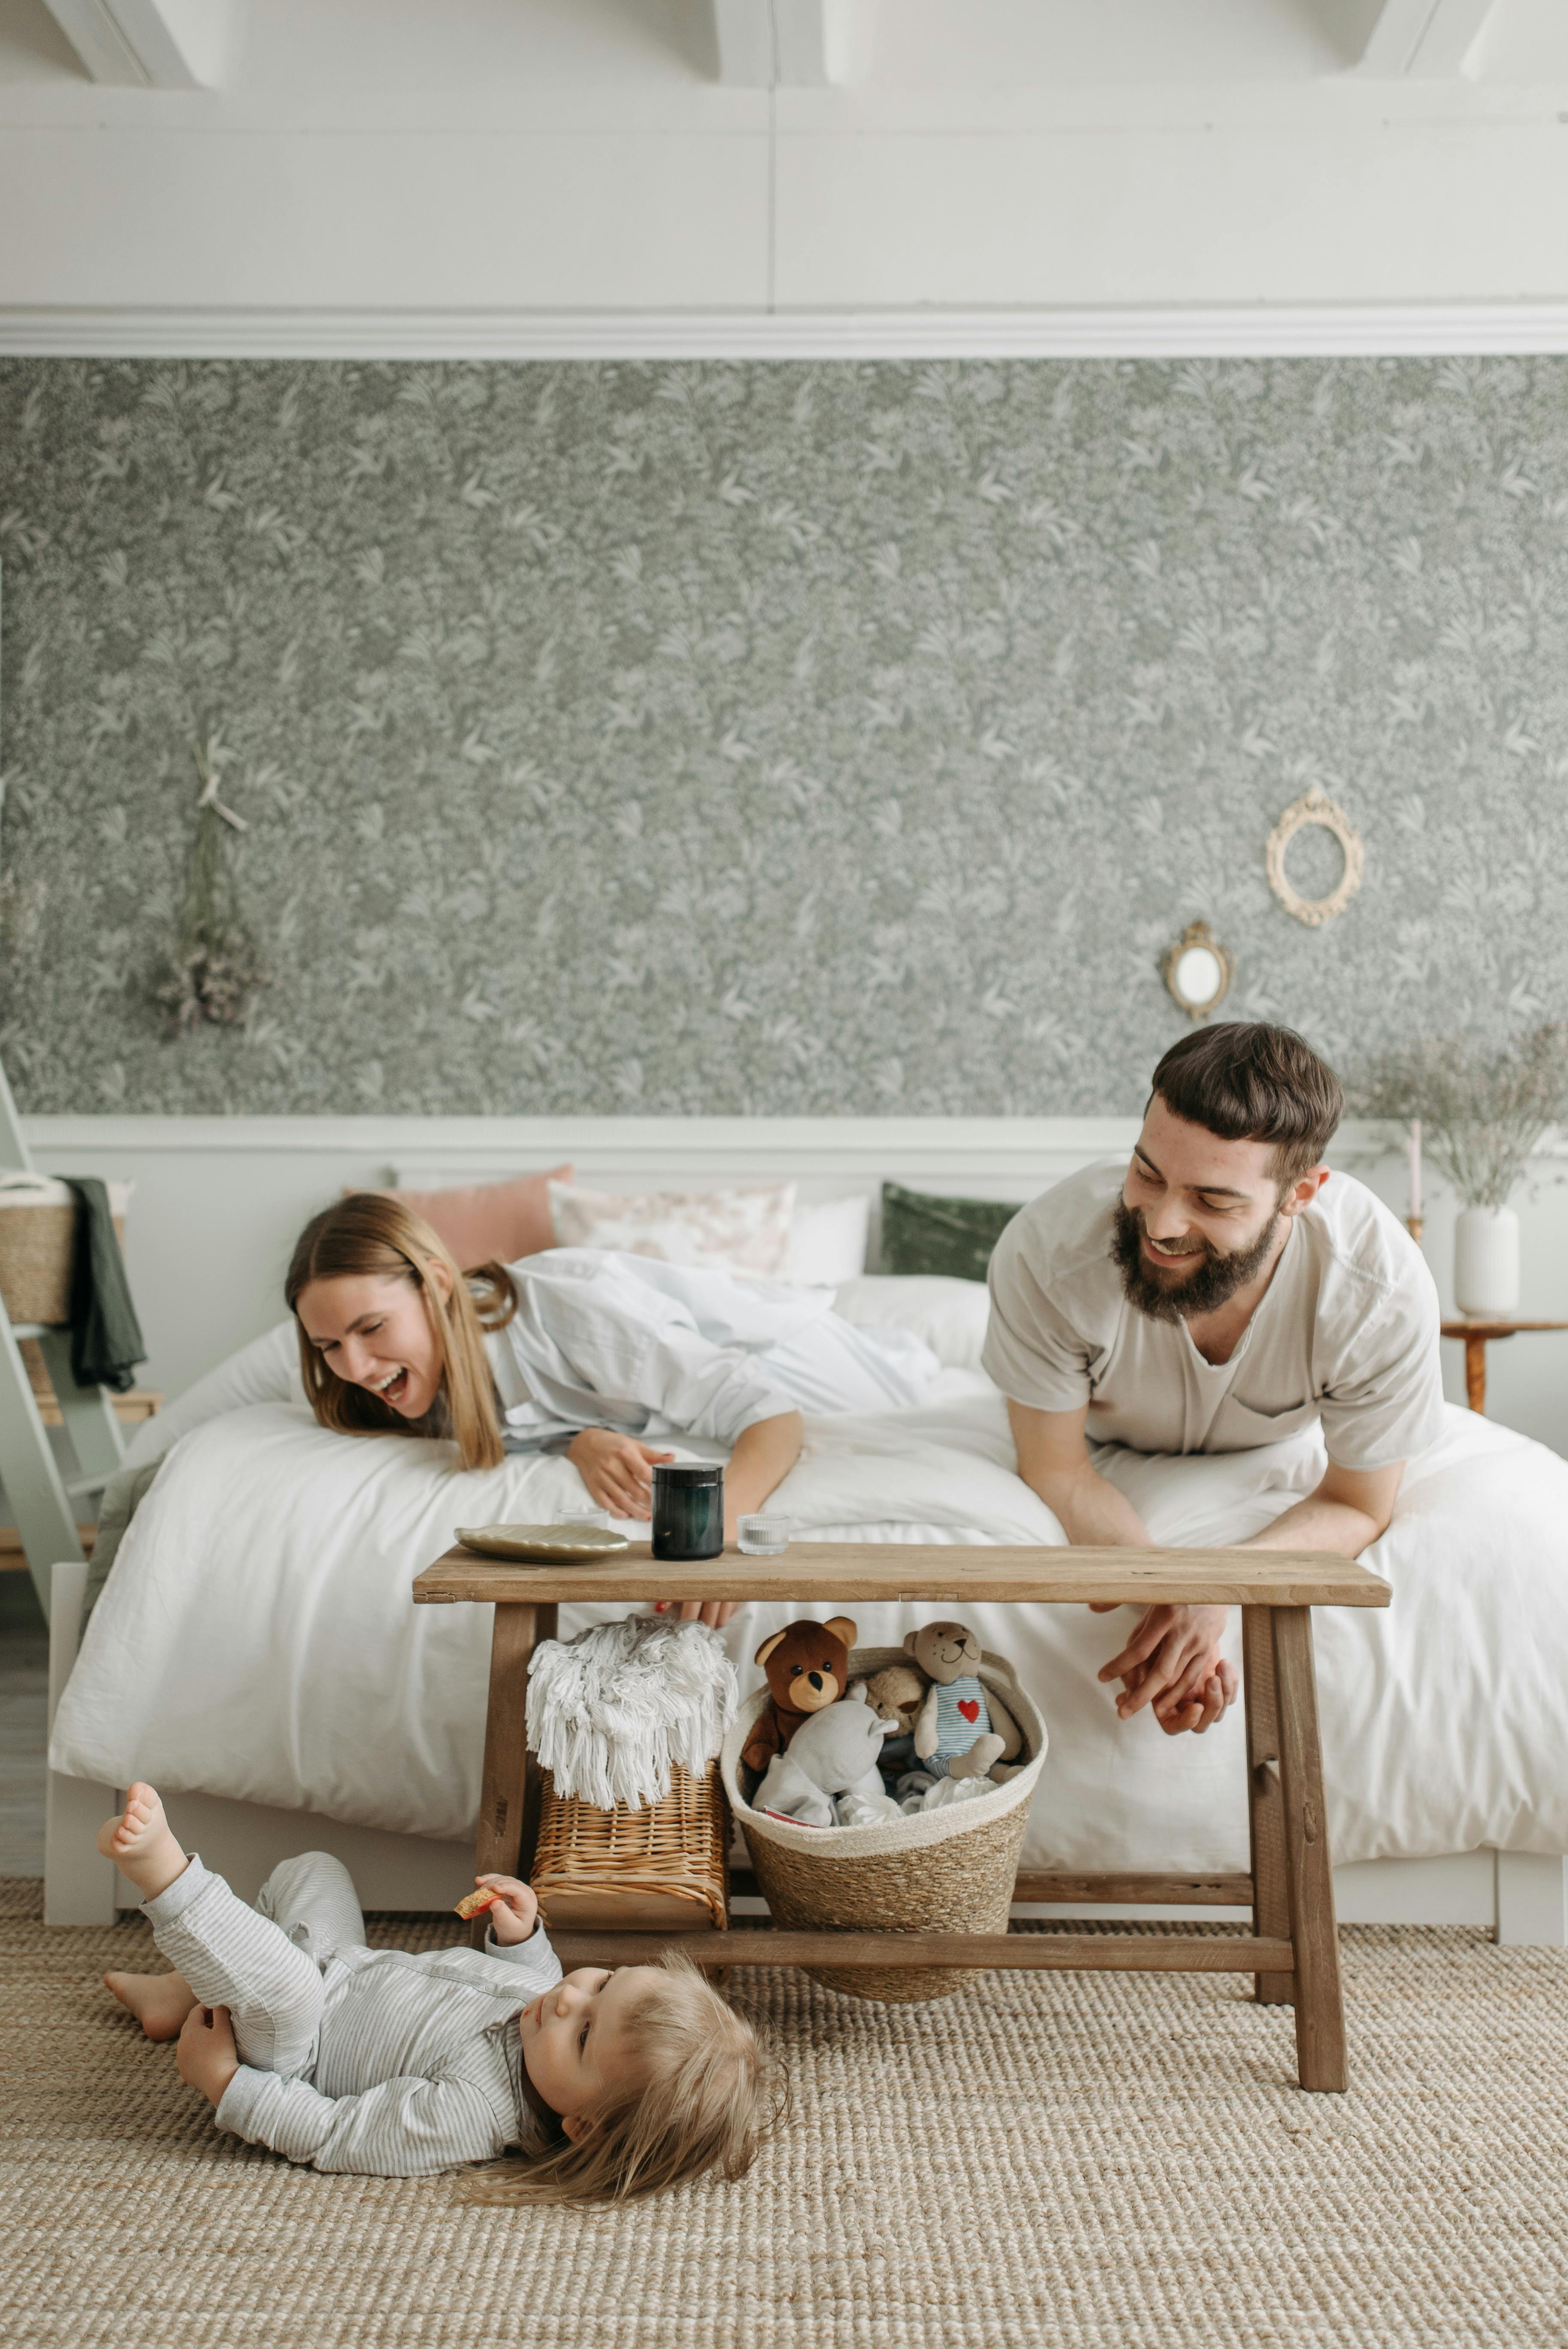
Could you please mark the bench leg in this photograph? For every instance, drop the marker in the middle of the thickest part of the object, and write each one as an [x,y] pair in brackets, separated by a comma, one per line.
[509,1788]
[1265,1798]
[1314,1930]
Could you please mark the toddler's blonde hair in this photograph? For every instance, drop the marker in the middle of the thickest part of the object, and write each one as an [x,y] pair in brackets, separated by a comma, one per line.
[701,2096]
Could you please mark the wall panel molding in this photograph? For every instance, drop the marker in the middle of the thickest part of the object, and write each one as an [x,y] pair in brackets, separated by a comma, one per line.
[1350,330]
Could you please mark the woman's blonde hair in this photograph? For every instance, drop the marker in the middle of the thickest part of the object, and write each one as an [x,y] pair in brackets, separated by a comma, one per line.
[371,1233]
[701,2096]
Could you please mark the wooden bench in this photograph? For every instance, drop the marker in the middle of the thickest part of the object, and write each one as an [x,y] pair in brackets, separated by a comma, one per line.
[1293,1950]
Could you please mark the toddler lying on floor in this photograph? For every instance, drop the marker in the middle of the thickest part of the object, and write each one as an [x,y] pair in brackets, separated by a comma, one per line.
[613,2085]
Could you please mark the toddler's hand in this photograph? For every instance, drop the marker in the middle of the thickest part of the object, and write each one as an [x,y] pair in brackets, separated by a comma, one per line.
[516,1913]
[208,2058]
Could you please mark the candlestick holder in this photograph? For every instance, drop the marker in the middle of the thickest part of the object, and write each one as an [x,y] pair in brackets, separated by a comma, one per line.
[1416,1226]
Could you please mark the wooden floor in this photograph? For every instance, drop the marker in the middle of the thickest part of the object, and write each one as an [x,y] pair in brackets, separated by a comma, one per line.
[23,1710]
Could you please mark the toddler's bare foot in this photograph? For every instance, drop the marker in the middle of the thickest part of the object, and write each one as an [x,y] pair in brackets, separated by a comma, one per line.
[141,1845]
[159,2002]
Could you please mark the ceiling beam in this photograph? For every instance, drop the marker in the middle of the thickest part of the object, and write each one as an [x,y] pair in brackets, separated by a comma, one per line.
[149,44]
[778,44]
[1425,40]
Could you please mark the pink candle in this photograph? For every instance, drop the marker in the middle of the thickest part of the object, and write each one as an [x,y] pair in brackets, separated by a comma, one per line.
[1415,1154]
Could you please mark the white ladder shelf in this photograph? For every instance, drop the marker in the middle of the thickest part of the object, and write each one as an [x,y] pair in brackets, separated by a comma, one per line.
[42,1500]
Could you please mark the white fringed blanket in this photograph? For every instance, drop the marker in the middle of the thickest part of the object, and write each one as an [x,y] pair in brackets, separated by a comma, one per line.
[609,1711]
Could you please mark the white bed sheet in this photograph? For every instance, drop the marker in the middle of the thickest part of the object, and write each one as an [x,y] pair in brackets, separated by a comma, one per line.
[257,1640]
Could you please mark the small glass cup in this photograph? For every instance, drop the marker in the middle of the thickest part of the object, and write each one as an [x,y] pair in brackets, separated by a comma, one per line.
[763,1536]
[585,1514]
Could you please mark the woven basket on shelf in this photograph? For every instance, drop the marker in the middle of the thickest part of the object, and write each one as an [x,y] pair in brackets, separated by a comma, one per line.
[660,1866]
[37,1246]
[945,1871]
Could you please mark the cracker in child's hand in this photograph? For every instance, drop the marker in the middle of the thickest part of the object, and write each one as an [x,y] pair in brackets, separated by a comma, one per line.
[473,1904]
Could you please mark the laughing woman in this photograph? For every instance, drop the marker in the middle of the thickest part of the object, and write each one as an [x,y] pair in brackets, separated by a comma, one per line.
[593,1353]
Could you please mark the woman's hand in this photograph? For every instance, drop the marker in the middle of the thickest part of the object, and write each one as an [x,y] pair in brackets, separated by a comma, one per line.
[617,1470]
[516,1913]
[208,2057]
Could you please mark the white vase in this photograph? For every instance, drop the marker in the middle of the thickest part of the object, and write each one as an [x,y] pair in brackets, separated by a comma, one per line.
[1486,1262]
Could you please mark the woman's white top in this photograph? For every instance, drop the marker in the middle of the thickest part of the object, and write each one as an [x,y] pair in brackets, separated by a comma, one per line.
[1347,1331]
[648,1348]
[601,1339]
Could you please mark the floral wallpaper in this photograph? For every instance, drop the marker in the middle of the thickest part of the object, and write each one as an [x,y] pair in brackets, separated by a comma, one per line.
[783,738]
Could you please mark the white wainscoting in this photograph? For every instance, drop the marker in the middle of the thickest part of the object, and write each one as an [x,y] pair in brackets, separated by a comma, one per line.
[219,1201]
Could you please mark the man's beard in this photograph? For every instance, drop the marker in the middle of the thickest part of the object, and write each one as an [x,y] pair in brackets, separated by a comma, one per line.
[1216,1276]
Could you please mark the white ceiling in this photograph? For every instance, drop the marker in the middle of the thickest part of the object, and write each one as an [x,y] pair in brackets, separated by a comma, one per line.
[295,49]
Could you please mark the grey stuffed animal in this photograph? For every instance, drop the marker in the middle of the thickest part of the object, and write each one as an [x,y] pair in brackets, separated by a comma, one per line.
[832,1753]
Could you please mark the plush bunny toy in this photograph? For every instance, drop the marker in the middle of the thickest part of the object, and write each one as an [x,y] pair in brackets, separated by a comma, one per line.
[963,1729]
[832,1753]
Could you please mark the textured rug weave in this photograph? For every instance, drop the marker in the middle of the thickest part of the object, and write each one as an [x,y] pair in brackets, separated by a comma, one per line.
[1074,2160]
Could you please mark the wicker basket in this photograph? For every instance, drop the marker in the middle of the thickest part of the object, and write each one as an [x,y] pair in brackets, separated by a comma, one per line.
[946,1871]
[652,1868]
[37,1245]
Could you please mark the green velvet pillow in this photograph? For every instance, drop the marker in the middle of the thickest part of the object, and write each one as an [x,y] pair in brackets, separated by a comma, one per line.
[921,1234]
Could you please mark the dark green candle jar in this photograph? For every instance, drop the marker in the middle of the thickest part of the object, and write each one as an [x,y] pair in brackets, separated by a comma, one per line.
[688,1509]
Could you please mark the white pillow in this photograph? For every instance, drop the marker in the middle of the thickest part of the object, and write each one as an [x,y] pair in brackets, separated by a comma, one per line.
[950,1315]
[266,1370]
[827,1243]
[744,1230]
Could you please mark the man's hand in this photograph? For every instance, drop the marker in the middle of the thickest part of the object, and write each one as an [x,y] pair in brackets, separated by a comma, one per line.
[208,2058]
[515,1914]
[1172,1663]
[617,1470]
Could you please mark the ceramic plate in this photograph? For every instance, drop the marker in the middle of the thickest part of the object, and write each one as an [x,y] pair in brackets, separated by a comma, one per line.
[559,1544]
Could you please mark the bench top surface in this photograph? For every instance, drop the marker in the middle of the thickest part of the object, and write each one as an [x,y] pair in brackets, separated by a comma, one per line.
[817,1574]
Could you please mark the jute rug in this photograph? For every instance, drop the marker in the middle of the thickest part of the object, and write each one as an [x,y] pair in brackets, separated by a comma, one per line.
[1075,2160]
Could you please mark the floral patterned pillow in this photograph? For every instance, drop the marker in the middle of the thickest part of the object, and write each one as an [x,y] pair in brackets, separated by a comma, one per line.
[744,1230]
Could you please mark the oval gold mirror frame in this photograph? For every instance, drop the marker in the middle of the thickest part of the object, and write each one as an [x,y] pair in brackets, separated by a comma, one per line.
[1315,808]
[1197,940]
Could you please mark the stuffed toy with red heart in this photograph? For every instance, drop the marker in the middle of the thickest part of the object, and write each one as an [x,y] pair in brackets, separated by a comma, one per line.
[963,1729]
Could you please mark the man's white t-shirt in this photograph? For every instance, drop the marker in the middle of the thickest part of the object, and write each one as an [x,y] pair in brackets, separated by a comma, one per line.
[1345,1332]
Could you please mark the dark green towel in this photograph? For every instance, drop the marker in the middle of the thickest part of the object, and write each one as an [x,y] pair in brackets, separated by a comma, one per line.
[106,1335]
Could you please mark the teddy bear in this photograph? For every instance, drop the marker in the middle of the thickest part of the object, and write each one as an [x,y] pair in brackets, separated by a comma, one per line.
[894,1694]
[963,1729]
[832,1754]
[807,1667]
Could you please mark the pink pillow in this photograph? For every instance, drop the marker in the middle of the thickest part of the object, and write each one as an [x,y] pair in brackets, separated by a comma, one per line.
[481,1222]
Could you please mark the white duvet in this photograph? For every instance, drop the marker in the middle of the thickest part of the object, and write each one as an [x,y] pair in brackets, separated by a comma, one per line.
[257,1637]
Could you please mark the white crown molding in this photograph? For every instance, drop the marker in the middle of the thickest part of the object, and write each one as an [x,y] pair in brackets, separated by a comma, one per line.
[1236,330]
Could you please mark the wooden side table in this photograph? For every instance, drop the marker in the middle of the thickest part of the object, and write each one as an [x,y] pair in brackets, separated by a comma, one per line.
[1293,1951]
[1476,1334]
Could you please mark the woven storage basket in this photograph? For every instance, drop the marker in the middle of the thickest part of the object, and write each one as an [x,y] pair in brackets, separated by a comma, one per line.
[37,1246]
[662,1866]
[946,1871]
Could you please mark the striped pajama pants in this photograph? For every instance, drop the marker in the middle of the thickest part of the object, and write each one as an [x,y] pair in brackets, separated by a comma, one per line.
[265,1964]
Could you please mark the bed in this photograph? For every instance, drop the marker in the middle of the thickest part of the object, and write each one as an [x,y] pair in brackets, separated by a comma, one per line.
[257,1655]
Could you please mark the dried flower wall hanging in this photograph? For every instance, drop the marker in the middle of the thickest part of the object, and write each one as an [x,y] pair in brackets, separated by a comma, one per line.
[216,966]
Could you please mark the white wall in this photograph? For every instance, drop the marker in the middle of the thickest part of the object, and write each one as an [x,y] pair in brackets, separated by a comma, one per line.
[218,1202]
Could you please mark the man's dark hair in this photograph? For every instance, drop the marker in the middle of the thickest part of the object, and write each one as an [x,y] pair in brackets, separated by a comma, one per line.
[1247,1081]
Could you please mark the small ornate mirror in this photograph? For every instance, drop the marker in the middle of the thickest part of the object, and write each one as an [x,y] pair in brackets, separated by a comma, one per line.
[1315,808]
[1198,971]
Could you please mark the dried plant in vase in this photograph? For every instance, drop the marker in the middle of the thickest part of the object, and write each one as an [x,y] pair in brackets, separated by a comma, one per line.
[216,966]
[1484,1110]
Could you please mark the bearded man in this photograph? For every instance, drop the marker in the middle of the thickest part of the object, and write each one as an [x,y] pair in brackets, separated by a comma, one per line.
[1222,1292]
